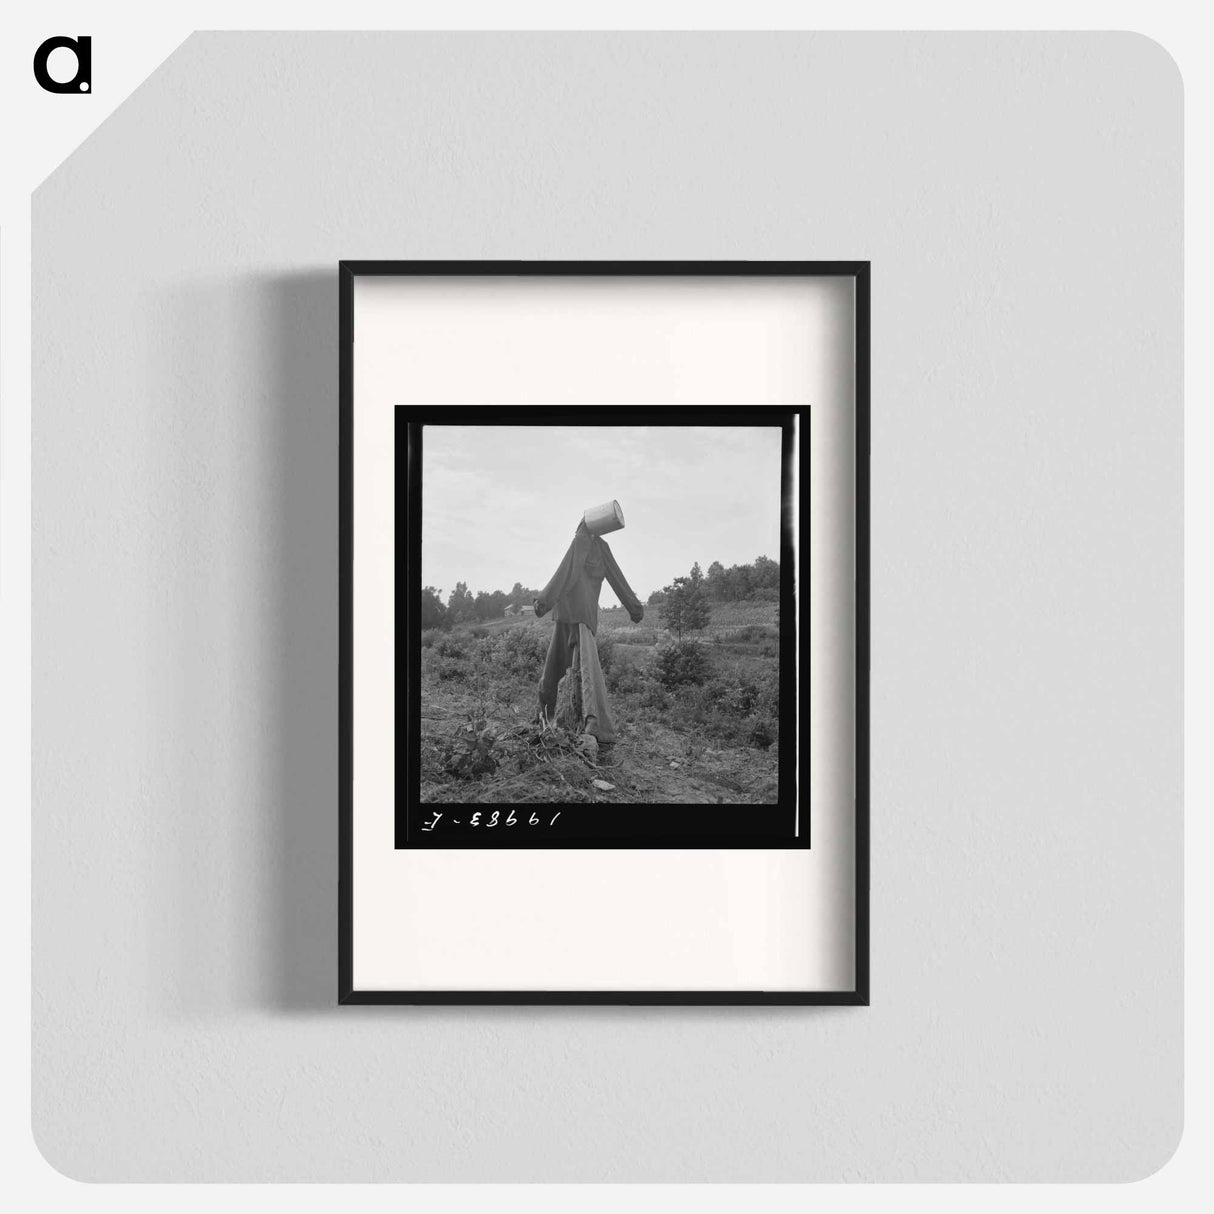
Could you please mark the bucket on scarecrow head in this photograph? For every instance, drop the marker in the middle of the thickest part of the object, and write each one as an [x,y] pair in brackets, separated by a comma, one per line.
[602,520]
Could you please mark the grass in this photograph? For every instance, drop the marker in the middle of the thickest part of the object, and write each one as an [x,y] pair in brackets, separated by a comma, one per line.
[716,741]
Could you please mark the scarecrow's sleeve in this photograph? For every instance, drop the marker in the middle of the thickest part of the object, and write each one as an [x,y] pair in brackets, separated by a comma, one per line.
[623,591]
[564,577]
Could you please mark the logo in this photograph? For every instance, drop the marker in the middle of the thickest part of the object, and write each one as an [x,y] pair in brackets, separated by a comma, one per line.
[82,81]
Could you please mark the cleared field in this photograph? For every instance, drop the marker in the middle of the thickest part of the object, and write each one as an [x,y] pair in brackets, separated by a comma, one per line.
[702,742]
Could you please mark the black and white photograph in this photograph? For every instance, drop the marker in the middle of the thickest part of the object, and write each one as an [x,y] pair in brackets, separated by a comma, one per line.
[604,623]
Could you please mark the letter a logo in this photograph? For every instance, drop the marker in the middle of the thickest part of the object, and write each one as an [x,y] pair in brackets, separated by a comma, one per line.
[82,81]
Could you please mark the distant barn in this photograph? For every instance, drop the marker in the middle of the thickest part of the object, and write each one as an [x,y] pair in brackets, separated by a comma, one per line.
[526,609]
[511,609]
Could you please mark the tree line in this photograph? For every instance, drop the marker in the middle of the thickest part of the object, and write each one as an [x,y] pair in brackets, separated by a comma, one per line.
[464,607]
[758,580]
[684,605]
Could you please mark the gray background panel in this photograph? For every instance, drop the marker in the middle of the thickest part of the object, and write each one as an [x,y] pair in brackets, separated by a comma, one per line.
[1020,199]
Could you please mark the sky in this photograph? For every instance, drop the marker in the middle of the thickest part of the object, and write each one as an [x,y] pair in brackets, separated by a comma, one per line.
[500,503]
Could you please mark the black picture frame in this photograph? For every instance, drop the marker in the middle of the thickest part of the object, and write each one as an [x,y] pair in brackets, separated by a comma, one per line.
[653,826]
[348,273]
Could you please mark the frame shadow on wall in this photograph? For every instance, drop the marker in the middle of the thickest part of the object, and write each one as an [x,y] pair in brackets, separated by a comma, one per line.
[300,940]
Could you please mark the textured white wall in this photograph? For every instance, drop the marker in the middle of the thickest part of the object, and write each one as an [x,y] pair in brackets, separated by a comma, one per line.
[1020,199]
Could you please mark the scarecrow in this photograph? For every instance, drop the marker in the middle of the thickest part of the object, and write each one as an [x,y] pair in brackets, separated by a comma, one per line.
[573,598]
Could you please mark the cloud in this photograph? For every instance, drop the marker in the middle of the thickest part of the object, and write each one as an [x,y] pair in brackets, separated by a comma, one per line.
[500,503]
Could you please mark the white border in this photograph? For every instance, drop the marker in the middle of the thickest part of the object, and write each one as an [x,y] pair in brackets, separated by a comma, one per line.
[588,919]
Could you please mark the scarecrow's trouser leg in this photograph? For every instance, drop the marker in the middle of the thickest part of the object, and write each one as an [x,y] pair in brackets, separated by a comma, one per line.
[559,658]
[594,690]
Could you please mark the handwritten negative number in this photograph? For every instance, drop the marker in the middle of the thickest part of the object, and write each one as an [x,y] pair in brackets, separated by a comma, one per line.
[495,817]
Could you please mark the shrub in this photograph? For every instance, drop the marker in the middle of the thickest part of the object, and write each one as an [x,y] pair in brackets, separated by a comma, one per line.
[624,678]
[735,694]
[763,733]
[518,650]
[454,645]
[469,752]
[429,636]
[450,670]
[606,648]
[680,662]
[692,706]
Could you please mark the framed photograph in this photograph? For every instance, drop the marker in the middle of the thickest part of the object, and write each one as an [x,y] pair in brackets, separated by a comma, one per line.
[604,632]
